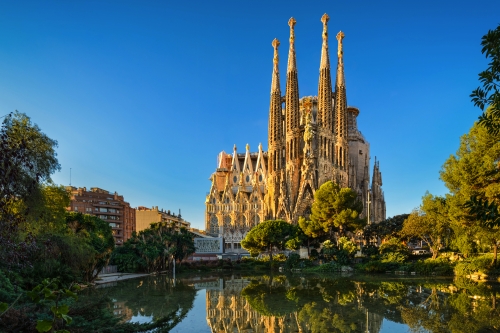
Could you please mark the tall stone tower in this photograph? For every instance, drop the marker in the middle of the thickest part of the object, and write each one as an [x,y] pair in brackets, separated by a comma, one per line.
[293,135]
[341,142]
[276,139]
[325,119]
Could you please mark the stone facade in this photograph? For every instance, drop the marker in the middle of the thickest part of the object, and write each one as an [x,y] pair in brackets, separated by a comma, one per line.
[311,140]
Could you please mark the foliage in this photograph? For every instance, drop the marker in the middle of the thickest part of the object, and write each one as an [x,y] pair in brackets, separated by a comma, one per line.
[268,235]
[480,264]
[430,223]
[269,299]
[484,211]
[27,158]
[473,172]
[336,209]
[328,267]
[345,244]
[292,261]
[394,245]
[50,294]
[489,94]
[370,250]
[154,248]
[387,228]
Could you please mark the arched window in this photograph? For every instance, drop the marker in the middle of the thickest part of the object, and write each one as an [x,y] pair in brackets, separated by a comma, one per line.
[227,221]
[214,225]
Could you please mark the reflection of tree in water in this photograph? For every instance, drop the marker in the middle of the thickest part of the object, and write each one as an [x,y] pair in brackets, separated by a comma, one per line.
[336,304]
[464,307]
[281,304]
[153,296]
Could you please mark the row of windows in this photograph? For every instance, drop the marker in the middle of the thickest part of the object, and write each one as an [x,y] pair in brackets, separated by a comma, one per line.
[234,246]
[108,217]
[236,207]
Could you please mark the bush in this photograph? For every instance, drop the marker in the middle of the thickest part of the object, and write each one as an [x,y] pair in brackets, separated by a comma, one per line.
[481,264]
[372,267]
[328,267]
[370,250]
[293,261]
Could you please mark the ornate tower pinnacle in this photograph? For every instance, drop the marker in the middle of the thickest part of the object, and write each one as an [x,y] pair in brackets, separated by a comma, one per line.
[325,18]
[340,54]
[292,91]
[341,107]
[325,59]
[325,116]
[276,75]
[340,36]
[291,54]
[275,118]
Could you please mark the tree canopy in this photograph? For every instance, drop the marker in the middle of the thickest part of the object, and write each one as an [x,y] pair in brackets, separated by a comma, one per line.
[430,223]
[27,159]
[334,209]
[267,235]
[489,94]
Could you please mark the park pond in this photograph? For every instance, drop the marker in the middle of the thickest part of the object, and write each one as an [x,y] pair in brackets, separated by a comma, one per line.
[308,303]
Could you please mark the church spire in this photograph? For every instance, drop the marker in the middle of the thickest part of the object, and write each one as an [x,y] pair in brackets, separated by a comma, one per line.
[275,118]
[292,96]
[341,108]
[325,118]
[340,93]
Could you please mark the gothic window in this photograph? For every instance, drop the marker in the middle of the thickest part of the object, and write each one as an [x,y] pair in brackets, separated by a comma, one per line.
[227,221]
[243,222]
[214,225]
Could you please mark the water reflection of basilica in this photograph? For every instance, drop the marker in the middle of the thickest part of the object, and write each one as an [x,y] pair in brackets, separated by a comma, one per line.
[229,311]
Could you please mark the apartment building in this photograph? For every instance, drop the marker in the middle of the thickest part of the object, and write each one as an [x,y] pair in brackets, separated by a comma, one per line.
[108,206]
[144,216]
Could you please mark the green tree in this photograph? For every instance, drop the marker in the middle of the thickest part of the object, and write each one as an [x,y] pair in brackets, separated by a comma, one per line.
[473,172]
[268,235]
[98,235]
[335,209]
[489,94]
[430,223]
[27,159]
[154,248]
[387,228]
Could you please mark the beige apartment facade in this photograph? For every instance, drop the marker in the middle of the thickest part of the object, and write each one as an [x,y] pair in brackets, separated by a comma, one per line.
[106,205]
[144,216]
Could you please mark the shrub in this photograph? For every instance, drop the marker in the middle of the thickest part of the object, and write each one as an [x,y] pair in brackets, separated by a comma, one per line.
[292,261]
[481,264]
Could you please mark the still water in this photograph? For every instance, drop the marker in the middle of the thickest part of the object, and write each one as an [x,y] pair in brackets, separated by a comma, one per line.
[294,303]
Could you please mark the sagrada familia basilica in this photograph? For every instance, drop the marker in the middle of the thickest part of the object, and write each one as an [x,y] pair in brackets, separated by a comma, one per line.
[311,140]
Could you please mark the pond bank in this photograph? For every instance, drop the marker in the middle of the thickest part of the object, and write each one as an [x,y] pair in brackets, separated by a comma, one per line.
[114,277]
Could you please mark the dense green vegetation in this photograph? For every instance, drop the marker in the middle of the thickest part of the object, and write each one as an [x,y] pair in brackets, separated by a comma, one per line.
[154,249]
[47,253]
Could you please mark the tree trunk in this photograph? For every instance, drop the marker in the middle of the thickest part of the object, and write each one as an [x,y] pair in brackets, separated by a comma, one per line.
[495,250]
[308,245]
[271,255]
[434,253]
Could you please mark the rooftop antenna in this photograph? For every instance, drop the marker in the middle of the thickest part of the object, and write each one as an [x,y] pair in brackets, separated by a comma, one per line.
[69,176]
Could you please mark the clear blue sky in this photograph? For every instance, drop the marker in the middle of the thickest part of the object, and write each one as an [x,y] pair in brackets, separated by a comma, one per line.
[142,95]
